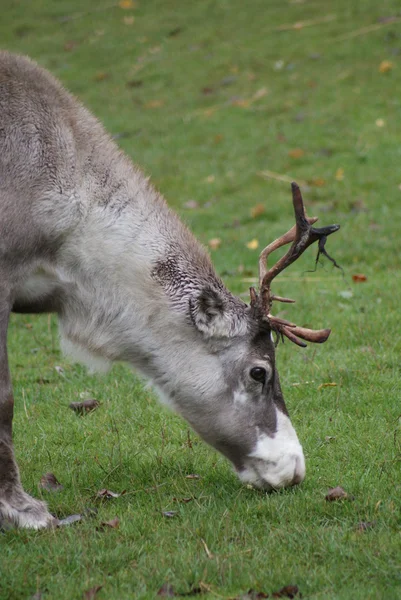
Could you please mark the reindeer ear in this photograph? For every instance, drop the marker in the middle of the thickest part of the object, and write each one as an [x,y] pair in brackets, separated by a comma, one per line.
[209,313]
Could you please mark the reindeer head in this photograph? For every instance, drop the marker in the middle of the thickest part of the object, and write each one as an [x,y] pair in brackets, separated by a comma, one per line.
[239,407]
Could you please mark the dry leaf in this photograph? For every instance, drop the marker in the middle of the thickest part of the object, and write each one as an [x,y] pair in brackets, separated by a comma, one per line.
[70,45]
[154,104]
[385,66]
[49,482]
[210,179]
[257,210]
[107,494]
[336,493]
[191,204]
[340,174]
[91,593]
[260,93]
[380,122]
[253,244]
[85,406]
[317,182]
[192,476]
[243,103]
[126,4]
[365,525]
[113,523]
[296,153]
[214,243]
[166,591]
[359,278]
[329,384]
[101,76]
[289,591]
[129,20]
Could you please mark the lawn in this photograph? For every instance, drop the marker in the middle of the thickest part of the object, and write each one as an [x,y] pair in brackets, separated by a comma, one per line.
[223,103]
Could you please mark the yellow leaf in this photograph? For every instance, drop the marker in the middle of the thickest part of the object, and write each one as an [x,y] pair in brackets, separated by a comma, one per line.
[317,182]
[296,153]
[214,243]
[242,103]
[380,122]
[385,66]
[253,244]
[210,179]
[126,4]
[257,210]
[128,20]
[154,104]
[340,174]
[260,93]
[101,76]
[298,25]
[323,385]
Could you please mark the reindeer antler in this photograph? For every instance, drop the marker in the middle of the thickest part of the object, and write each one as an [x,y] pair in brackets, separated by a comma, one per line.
[302,235]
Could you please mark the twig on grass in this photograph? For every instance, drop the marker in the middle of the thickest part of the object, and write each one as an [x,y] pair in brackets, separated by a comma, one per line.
[367,29]
[279,177]
[308,23]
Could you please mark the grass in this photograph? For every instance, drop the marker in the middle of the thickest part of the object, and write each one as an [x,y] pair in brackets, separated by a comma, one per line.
[204,96]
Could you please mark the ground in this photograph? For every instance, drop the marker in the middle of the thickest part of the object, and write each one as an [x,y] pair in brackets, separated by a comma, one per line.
[223,104]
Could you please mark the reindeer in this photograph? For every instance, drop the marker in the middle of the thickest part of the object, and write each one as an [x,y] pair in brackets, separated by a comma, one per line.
[85,235]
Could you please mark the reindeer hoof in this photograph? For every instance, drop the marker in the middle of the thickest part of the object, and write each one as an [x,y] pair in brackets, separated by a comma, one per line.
[25,512]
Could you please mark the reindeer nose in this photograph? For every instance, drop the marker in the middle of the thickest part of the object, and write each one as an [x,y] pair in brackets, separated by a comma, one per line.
[299,472]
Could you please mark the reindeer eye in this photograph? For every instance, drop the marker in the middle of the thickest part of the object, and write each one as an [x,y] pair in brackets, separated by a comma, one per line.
[258,374]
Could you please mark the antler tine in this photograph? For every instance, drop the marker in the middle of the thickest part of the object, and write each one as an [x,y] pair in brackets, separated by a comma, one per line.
[302,235]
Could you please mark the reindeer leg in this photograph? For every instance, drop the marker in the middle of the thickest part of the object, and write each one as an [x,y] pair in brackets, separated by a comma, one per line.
[16,506]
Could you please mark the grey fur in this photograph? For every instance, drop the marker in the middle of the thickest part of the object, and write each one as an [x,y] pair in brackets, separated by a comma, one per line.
[84,234]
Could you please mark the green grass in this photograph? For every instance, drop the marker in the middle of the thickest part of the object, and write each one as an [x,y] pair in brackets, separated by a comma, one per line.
[146,80]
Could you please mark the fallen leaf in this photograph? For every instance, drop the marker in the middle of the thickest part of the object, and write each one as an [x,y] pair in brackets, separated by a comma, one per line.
[340,174]
[296,153]
[324,385]
[385,66]
[380,122]
[70,45]
[113,523]
[183,500]
[336,493]
[260,93]
[191,204]
[218,138]
[207,91]
[91,593]
[359,278]
[128,20]
[103,493]
[288,591]
[69,520]
[85,406]
[317,182]
[134,83]
[49,483]
[126,4]
[241,102]
[101,76]
[214,243]
[192,476]
[169,514]
[257,210]
[166,591]
[365,525]
[154,104]
[253,244]
[174,32]
[210,178]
